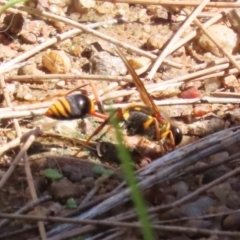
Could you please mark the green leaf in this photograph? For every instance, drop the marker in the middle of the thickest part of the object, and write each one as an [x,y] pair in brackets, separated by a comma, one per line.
[52,174]
[102,171]
[71,203]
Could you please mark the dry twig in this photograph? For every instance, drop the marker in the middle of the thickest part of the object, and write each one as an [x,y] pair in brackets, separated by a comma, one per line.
[21,154]
[177,35]
[177,3]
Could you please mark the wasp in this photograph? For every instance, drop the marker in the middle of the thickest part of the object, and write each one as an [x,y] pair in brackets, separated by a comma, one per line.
[147,120]
[137,119]
[73,107]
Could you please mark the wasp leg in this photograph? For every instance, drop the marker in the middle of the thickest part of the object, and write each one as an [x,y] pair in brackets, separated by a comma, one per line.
[158,136]
[158,133]
[97,98]
[117,113]
[64,94]
[168,134]
[157,129]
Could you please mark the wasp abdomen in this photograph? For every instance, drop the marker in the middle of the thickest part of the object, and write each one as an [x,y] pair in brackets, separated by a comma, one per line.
[70,107]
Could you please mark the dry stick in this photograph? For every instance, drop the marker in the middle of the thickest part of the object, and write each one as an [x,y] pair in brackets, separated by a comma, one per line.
[26,208]
[176,36]
[151,88]
[60,37]
[10,145]
[18,140]
[18,111]
[132,214]
[96,33]
[166,207]
[192,34]
[201,169]
[182,102]
[193,76]
[228,71]
[225,94]
[33,192]
[207,216]
[50,77]
[205,65]
[25,146]
[177,3]
[110,78]
[201,74]
[25,157]
[75,232]
[88,205]
[10,235]
[206,15]
[196,192]
[30,106]
[101,78]
[116,235]
[215,41]
[39,78]
[26,113]
[68,76]
[23,113]
[102,234]
[189,155]
[93,191]
[107,89]
[157,170]
[118,224]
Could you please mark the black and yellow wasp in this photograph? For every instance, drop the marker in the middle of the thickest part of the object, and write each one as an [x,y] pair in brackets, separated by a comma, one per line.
[145,120]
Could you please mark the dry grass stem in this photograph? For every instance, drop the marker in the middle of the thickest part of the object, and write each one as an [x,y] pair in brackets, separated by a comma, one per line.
[207,216]
[15,142]
[32,188]
[174,39]
[192,34]
[173,165]
[202,74]
[21,154]
[169,102]
[16,160]
[215,62]
[168,165]
[88,29]
[225,94]
[22,113]
[221,100]
[177,3]
[215,41]
[226,72]
[60,37]
[118,224]
[40,78]
[26,208]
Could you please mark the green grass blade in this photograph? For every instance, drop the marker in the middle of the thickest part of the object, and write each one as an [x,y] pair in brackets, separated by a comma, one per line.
[10,4]
[137,196]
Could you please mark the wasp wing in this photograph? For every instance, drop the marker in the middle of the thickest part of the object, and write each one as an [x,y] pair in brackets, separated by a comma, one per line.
[145,96]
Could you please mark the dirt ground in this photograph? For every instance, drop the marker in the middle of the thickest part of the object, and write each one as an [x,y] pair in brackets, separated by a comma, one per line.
[53,49]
